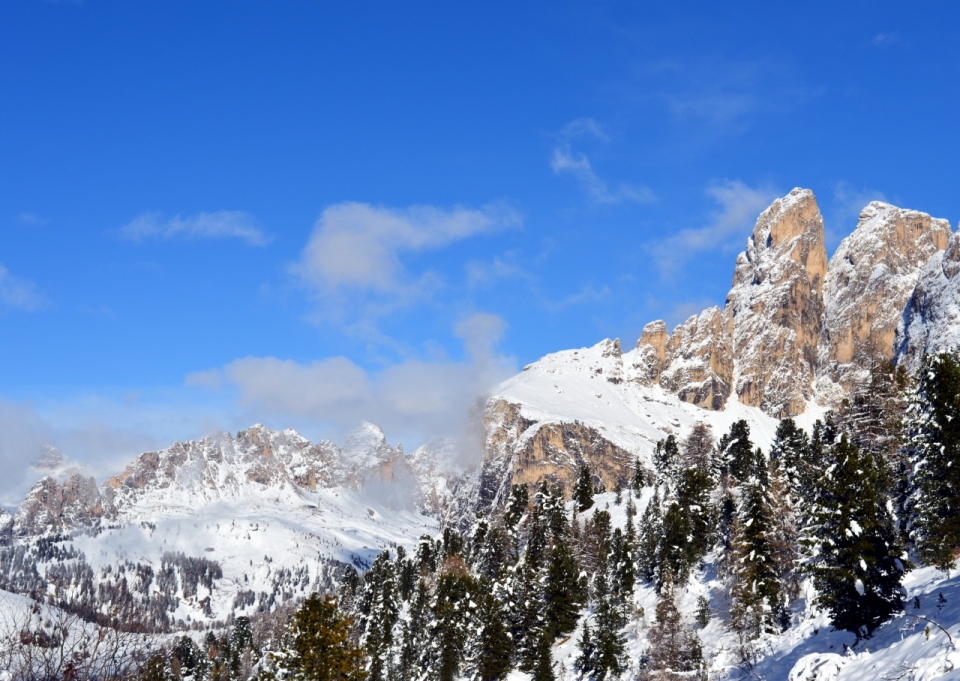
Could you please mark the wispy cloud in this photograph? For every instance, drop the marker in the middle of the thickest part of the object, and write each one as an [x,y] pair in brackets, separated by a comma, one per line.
[739,206]
[354,257]
[19,293]
[414,399]
[31,219]
[586,294]
[565,160]
[221,224]
[486,273]
[884,39]
[721,94]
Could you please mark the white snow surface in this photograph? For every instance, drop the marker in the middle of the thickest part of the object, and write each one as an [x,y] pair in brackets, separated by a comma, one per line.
[599,387]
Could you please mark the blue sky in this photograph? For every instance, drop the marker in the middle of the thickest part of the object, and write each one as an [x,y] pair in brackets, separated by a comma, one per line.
[305,214]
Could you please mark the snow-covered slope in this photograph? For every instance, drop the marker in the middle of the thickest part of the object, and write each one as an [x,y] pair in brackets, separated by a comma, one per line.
[903,648]
[592,406]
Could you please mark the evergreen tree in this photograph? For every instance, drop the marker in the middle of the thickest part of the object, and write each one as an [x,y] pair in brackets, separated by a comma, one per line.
[563,591]
[415,632]
[935,438]
[784,536]
[675,652]
[789,450]
[453,606]
[583,490]
[675,557]
[755,594]
[610,655]
[638,479]
[735,452]
[493,647]
[379,610]
[623,566]
[651,538]
[588,652]
[698,449]
[666,460]
[855,563]
[318,645]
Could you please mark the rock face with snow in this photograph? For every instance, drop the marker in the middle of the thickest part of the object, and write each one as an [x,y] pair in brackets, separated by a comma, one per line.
[775,308]
[6,528]
[51,507]
[695,363]
[870,279]
[931,321]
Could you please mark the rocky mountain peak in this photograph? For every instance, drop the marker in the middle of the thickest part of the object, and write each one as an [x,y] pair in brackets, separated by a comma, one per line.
[51,507]
[931,320]
[870,279]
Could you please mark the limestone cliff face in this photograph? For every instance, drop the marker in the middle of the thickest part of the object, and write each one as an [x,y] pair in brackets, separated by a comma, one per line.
[51,507]
[870,279]
[523,451]
[775,308]
[700,361]
[763,346]
[931,321]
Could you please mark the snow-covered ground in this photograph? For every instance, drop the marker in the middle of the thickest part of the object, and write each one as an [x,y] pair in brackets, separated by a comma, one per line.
[598,387]
[901,649]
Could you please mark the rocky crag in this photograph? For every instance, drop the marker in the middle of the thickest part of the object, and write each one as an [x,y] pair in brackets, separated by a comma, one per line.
[796,334]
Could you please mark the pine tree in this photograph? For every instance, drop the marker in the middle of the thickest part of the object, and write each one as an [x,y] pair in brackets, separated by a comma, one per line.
[666,460]
[651,538]
[609,656]
[675,652]
[493,646]
[516,506]
[318,646]
[453,612]
[855,564]
[415,632]
[623,566]
[735,452]
[675,557]
[379,610]
[638,479]
[583,490]
[935,438]
[789,450]
[563,592]
[588,652]
[755,593]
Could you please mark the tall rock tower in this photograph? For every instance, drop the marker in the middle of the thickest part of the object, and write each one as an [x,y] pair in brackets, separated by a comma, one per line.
[775,309]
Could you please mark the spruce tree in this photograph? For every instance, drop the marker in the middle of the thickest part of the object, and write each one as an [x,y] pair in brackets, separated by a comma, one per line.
[755,594]
[789,450]
[735,452]
[638,479]
[493,646]
[453,613]
[935,438]
[415,633]
[856,558]
[675,651]
[318,646]
[666,460]
[583,490]
[610,653]
[651,539]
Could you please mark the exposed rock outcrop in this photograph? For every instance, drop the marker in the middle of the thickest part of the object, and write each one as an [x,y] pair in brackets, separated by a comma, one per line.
[521,451]
[51,507]
[931,321]
[775,308]
[870,279]
[699,366]
[6,528]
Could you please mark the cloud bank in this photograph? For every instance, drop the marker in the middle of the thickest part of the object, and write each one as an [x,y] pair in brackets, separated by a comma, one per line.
[413,400]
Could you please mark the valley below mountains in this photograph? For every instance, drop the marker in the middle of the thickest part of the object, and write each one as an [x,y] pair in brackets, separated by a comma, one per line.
[188,539]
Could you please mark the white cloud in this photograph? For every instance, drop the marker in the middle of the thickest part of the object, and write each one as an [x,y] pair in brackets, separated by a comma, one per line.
[739,206]
[18,293]
[353,260]
[414,400]
[565,160]
[221,224]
